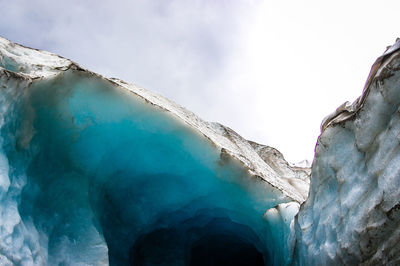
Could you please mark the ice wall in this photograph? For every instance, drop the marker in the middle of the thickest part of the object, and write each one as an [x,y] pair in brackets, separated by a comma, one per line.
[352,215]
[95,171]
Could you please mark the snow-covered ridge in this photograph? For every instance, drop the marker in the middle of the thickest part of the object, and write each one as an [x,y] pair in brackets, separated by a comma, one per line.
[292,182]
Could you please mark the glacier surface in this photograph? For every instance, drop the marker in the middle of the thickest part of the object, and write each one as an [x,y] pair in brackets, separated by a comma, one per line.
[96,171]
[352,215]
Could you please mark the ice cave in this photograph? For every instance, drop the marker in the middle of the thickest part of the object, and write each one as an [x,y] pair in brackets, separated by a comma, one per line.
[96,171]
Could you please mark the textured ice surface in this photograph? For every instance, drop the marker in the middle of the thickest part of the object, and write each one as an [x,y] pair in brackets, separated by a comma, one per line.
[94,171]
[352,215]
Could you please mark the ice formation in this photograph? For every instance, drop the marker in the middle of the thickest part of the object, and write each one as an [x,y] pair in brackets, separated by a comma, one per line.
[95,171]
[352,215]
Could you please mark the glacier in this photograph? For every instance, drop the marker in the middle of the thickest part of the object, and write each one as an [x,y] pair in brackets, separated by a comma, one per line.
[352,214]
[97,171]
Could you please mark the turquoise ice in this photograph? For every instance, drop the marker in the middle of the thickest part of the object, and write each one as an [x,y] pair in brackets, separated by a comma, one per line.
[93,173]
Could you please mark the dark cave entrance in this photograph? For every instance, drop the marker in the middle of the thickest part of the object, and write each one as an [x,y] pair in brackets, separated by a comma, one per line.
[220,242]
[224,250]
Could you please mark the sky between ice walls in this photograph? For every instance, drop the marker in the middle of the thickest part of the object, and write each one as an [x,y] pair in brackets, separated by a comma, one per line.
[93,174]
[264,68]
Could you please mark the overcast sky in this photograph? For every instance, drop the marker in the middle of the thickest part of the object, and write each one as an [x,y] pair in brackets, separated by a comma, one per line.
[270,70]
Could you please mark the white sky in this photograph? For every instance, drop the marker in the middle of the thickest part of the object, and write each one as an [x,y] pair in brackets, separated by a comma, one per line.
[270,70]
